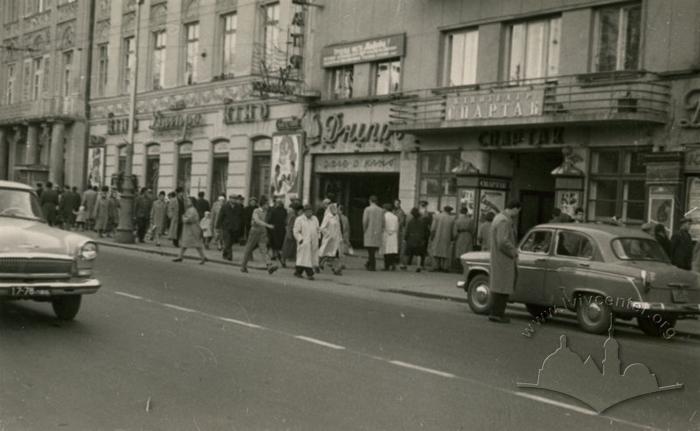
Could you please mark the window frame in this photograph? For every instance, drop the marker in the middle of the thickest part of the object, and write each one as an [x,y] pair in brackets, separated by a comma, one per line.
[37,78]
[545,47]
[448,57]
[158,58]
[551,233]
[375,72]
[268,57]
[191,52]
[128,62]
[621,41]
[594,246]
[102,68]
[229,40]
[334,91]
[10,80]
[444,174]
[67,72]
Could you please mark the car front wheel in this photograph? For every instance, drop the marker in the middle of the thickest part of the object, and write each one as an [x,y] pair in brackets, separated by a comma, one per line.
[479,294]
[593,314]
[656,325]
[66,307]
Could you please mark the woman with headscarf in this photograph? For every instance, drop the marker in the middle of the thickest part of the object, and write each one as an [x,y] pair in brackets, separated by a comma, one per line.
[191,232]
[332,238]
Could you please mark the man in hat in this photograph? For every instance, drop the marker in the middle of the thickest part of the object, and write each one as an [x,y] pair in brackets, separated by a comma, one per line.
[441,239]
[504,260]
[306,234]
[230,223]
[373,227]
[682,246]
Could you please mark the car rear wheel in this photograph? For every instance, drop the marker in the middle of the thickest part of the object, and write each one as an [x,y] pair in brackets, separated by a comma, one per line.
[479,294]
[656,325]
[593,314]
[66,307]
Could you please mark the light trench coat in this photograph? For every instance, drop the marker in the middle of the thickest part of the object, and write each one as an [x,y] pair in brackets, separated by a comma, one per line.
[306,233]
[332,235]
[390,235]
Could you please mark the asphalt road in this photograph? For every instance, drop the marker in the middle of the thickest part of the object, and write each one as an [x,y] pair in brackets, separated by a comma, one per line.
[167,346]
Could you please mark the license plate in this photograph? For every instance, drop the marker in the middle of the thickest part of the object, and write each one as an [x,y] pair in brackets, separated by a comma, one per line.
[23,291]
[679,295]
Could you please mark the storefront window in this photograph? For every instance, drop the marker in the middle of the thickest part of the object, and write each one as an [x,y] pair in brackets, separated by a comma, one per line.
[617,187]
[438,185]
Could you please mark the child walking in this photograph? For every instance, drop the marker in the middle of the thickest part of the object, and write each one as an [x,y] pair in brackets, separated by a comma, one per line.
[80,218]
[207,233]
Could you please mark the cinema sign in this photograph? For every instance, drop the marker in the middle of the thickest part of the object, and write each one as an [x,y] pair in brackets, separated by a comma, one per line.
[499,103]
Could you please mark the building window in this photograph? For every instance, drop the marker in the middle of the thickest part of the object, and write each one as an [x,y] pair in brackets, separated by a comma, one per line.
[129,60]
[230,25]
[67,86]
[121,161]
[10,89]
[388,77]
[102,68]
[184,167]
[152,166]
[462,48]
[191,52]
[37,78]
[534,49]
[11,10]
[341,82]
[271,48]
[158,66]
[617,186]
[261,170]
[219,176]
[438,184]
[618,38]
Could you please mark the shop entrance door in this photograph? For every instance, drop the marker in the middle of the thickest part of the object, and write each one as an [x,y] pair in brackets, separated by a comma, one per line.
[537,208]
[353,191]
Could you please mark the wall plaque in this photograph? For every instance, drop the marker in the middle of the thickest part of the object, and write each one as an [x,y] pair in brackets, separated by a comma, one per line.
[331,163]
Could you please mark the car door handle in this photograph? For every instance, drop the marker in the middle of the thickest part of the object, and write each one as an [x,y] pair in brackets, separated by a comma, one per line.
[584,265]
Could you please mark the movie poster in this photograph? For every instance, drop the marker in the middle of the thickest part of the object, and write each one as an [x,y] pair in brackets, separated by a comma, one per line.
[661,207]
[287,157]
[492,201]
[693,207]
[96,164]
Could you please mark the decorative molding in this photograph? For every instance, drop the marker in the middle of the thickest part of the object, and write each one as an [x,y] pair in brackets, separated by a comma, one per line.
[11,54]
[159,14]
[128,6]
[36,21]
[38,40]
[67,11]
[128,22]
[66,35]
[190,10]
[102,30]
[11,28]
[226,5]
[104,8]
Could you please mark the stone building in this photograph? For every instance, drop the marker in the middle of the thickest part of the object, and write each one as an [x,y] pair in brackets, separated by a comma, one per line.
[43,79]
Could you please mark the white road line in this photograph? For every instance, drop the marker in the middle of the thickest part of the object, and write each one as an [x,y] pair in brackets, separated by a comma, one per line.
[425,370]
[177,307]
[238,322]
[128,295]
[319,342]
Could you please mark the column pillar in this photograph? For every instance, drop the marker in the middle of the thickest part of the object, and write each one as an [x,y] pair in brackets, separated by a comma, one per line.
[32,145]
[56,153]
[3,156]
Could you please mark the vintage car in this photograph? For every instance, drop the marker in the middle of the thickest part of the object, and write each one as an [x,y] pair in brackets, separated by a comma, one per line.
[39,262]
[598,271]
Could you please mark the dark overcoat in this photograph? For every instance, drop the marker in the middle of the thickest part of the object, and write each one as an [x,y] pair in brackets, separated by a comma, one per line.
[504,253]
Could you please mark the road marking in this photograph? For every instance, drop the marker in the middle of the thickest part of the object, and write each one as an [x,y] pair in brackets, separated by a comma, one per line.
[177,307]
[128,295]
[238,322]
[319,342]
[425,370]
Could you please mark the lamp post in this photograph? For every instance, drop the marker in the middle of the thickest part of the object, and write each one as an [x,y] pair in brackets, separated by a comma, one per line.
[125,230]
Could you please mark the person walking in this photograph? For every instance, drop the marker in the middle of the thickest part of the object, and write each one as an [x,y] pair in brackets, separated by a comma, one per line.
[441,239]
[306,234]
[257,237]
[483,236]
[180,201]
[172,210]
[463,233]
[399,212]
[80,218]
[70,202]
[202,205]
[416,237]
[332,238]
[205,225]
[89,199]
[289,249]
[390,238]
[277,217]
[101,212]
[230,223]
[113,218]
[191,232]
[346,246]
[142,213]
[158,217]
[681,246]
[248,216]
[215,211]
[373,227]
[49,203]
[504,261]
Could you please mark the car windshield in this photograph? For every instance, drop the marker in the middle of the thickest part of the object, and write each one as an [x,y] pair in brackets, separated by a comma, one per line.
[19,203]
[639,249]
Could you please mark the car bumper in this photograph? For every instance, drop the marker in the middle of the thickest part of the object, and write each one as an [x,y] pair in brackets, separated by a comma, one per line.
[659,307]
[42,288]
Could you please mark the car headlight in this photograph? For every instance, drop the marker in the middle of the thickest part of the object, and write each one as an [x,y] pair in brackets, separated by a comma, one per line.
[88,251]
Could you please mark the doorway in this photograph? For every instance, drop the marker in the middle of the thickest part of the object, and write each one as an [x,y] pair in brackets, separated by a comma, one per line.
[537,208]
[534,186]
[353,192]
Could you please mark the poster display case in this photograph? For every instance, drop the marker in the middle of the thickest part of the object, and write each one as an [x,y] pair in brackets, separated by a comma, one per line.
[482,194]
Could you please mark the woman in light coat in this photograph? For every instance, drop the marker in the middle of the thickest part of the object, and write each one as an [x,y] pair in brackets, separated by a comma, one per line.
[306,233]
[390,239]
[332,238]
[191,232]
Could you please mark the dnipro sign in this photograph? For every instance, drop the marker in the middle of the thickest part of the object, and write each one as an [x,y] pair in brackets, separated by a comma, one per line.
[334,130]
[364,51]
[499,103]
[183,122]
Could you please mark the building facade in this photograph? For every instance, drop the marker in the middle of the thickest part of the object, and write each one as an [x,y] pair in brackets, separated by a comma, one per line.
[219,84]
[43,80]
[567,104]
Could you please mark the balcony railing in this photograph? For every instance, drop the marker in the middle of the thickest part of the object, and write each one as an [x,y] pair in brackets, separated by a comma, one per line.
[632,97]
[46,108]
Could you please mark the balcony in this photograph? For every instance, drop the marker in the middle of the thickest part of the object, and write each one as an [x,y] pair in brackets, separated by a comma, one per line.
[628,98]
[37,110]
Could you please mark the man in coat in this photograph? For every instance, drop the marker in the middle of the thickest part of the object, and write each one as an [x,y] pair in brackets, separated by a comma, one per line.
[306,234]
[504,260]
[142,213]
[202,205]
[441,239]
[681,246]
[248,216]
[70,201]
[230,223]
[373,227]
[88,201]
[159,217]
[258,238]
[215,211]
[49,203]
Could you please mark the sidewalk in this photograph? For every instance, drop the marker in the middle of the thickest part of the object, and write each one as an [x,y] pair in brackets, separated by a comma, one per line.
[424,284]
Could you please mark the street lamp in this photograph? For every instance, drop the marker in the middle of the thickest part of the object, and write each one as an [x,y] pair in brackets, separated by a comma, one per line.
[125,229]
